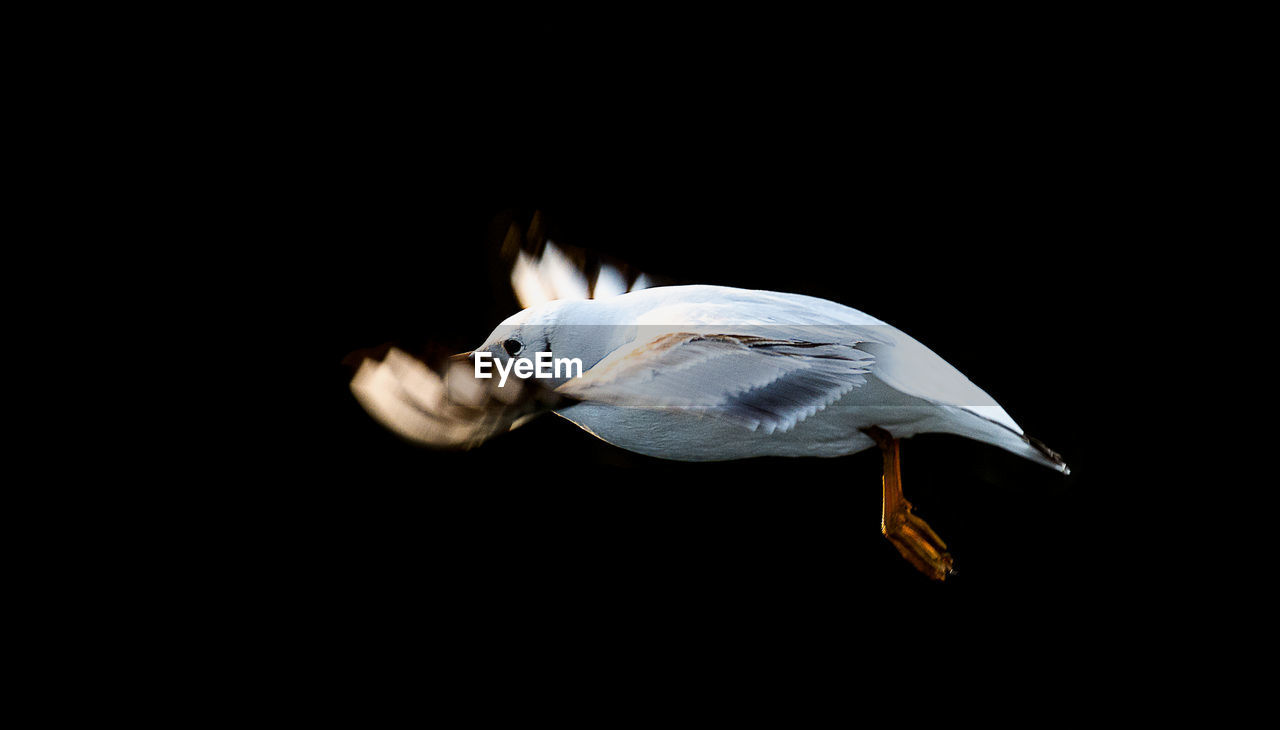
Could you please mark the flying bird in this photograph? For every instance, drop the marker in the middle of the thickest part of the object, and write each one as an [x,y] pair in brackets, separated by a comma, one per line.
[700,373]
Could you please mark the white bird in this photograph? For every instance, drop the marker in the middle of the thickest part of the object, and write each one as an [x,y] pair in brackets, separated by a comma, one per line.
[706,373]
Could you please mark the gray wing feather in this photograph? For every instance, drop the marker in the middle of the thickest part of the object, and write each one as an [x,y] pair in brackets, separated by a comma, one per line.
[757,382]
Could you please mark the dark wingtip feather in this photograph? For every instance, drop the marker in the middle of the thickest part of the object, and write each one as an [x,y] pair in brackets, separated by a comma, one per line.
[1049,453]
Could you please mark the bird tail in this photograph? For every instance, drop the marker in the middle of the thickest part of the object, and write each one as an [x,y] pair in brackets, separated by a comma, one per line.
[1050,457]
[981,428]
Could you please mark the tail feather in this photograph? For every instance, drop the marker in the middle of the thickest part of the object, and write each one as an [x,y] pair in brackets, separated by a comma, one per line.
[980,428]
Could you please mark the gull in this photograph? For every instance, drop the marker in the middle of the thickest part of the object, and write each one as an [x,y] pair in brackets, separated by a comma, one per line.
[703,373]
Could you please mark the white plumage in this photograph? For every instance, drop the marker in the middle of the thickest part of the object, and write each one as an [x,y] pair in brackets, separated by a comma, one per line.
[693,373]
[710,373]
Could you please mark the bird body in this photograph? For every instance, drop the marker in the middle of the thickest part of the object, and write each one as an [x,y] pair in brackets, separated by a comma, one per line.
[709,373]
[703,373]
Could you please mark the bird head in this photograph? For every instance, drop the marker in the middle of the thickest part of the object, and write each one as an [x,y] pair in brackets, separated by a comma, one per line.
[569,329]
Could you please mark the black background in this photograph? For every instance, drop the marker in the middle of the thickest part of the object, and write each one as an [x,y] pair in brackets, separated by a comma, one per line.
[970,193]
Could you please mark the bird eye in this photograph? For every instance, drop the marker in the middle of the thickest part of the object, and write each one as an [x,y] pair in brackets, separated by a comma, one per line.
[512,346]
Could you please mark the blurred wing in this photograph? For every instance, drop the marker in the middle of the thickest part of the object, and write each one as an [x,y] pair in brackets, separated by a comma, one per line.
[756,382]
[555,274]
[449,410]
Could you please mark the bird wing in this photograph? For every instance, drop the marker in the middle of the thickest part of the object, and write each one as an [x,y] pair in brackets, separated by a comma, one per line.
[558,273]
[447,409]
[758,382]
[451,408]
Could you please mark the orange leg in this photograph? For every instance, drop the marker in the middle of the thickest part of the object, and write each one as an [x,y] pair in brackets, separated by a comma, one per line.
[917,542]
